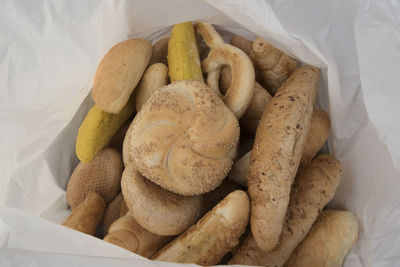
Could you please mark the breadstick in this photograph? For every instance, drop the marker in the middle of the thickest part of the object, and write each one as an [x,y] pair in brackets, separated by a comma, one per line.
[207,241]
[276,153]
[128,234]
[314,187]
[88,215]
[328,242]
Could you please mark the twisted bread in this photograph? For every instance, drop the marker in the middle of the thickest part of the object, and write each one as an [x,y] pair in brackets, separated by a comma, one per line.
[183,139]
[158,210]
[128,234]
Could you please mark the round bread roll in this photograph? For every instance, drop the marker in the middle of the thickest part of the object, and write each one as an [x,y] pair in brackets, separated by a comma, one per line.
[119,72]
[128,234]
[153,79]
[213,236]
[158,210]
[240,92]
[112,212]
[102,175]
[183,139]
[328,242]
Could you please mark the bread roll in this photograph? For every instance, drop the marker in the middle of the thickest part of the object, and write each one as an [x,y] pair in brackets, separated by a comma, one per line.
[128,234]
[153,79]
[119,72]
[158,210]
[102,175]
[213,236]
[328,242]
[88,215]
[183,139]
[314,187]
[279,143]
[317,135]
[273,66]
[112,213]
[160,52]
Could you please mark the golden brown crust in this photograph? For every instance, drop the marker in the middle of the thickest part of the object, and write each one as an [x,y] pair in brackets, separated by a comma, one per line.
[242,43]
[314,187]
[153,79]
[128,234]
[317,135]
[158,210]
[88,215]
[241,90]
[212,236]
[112,212]
[273,66]
[184,139]
[209,34]
[328,242]
[256,108]
[276,153]
[160,52]
[118,74]
[102,175]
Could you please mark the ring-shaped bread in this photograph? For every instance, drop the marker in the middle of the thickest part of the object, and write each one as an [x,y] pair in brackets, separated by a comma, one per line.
[240,92]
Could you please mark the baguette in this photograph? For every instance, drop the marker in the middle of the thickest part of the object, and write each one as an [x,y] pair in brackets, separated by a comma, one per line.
[213,236]
[314,187]
[118,74]
[88,215]
[328,242]
[276,153]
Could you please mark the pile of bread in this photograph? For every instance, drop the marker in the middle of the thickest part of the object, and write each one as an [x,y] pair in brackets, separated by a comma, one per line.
[218,165]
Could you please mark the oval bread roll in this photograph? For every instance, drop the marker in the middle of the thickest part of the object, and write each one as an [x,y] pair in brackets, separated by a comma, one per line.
[160,52]
[183,139]
[112,213]
[88,215]
[102,175]
[277,149]
[158,210]
[153,79]
[328,242]
[119,72]
[314,187]
[213,236]
[128,234]
[317,135]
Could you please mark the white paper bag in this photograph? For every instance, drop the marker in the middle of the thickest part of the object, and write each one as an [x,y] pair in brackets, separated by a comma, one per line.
[49,51]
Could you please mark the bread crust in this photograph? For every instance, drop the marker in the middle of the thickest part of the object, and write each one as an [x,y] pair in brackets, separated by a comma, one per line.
[279,143]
